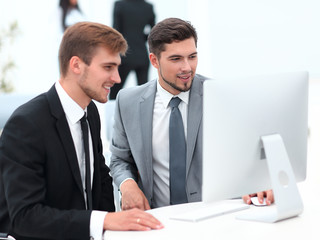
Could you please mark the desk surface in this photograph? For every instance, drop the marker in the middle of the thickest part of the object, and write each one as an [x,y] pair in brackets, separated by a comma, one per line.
[227,226]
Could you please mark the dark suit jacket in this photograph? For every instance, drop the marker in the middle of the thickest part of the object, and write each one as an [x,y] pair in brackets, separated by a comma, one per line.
[41,195]
[130,18]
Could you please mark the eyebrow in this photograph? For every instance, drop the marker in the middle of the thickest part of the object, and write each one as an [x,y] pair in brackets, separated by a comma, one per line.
[176,55]
[110,63]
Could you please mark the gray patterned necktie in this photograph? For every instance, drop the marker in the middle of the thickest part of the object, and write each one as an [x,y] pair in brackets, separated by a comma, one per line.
[177,143]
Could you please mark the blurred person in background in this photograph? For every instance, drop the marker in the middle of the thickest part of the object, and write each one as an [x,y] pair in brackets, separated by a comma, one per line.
[71,13]
[134,19]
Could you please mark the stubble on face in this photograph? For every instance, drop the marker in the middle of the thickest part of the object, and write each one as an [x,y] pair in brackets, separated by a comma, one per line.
[91,93]
[186,86]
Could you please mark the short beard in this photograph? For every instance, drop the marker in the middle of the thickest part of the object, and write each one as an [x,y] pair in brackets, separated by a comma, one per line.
[90,93]
[174,86]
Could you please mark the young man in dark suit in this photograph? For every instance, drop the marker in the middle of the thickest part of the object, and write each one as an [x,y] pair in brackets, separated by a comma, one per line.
[43,189]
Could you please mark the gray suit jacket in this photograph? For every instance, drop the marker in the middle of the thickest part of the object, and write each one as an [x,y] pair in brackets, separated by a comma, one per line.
[132,138]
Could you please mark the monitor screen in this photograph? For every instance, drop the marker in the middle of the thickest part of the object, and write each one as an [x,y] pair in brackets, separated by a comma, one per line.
[237,113]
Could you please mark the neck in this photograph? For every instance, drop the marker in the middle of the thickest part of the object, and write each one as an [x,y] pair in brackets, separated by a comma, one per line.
[75,92]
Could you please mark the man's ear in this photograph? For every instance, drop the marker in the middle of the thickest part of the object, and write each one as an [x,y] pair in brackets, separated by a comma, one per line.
[75,64]
[154,60]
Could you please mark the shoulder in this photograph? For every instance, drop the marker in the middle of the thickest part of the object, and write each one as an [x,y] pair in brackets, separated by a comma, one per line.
[129,99]
[29,119]
[201,78]
[40,108]
[198,81]
[32,108]
[137,92]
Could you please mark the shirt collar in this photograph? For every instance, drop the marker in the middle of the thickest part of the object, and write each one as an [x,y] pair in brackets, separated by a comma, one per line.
[165,96]
[72,110]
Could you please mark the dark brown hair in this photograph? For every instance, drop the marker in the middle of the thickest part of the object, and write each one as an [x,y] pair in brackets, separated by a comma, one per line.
[82,39]
[168,31]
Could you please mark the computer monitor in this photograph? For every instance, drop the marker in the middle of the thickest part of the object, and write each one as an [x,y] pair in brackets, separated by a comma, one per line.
[255,132]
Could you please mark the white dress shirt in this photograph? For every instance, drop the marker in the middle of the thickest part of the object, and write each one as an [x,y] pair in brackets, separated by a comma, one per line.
[160,143]
[73,114]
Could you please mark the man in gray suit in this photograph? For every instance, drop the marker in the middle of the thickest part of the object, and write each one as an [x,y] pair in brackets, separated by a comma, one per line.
[140,161]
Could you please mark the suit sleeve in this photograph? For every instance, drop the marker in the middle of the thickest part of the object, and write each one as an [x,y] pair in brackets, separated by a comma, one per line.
[122,164]
[106,201]
[23,160]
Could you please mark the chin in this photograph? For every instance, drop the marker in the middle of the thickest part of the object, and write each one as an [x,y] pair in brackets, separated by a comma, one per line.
[102,100]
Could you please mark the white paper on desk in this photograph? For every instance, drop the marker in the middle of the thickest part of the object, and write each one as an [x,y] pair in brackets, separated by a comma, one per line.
[209,210]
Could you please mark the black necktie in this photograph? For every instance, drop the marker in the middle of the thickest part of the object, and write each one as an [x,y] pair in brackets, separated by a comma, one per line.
[84,127]
[177,145]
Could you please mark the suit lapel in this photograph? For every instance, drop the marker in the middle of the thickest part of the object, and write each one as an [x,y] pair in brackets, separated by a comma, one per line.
[65,134]
[194,118]
[146,118]
[194,121]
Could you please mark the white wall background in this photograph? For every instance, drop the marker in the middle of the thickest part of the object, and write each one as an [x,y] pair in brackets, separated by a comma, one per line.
[235,37]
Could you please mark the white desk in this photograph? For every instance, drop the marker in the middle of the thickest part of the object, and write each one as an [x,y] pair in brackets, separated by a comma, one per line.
[305,226]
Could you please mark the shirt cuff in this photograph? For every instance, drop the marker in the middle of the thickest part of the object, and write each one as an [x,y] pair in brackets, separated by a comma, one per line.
[96,224]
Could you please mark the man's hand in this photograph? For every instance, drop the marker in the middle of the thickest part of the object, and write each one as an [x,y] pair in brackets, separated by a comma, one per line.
[132,196]
[134,219]
[267,194]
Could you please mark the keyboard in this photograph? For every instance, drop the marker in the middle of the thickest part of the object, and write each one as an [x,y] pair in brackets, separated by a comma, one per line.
[209,210]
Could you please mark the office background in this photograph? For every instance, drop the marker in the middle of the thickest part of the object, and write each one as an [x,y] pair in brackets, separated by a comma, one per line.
[236,38]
